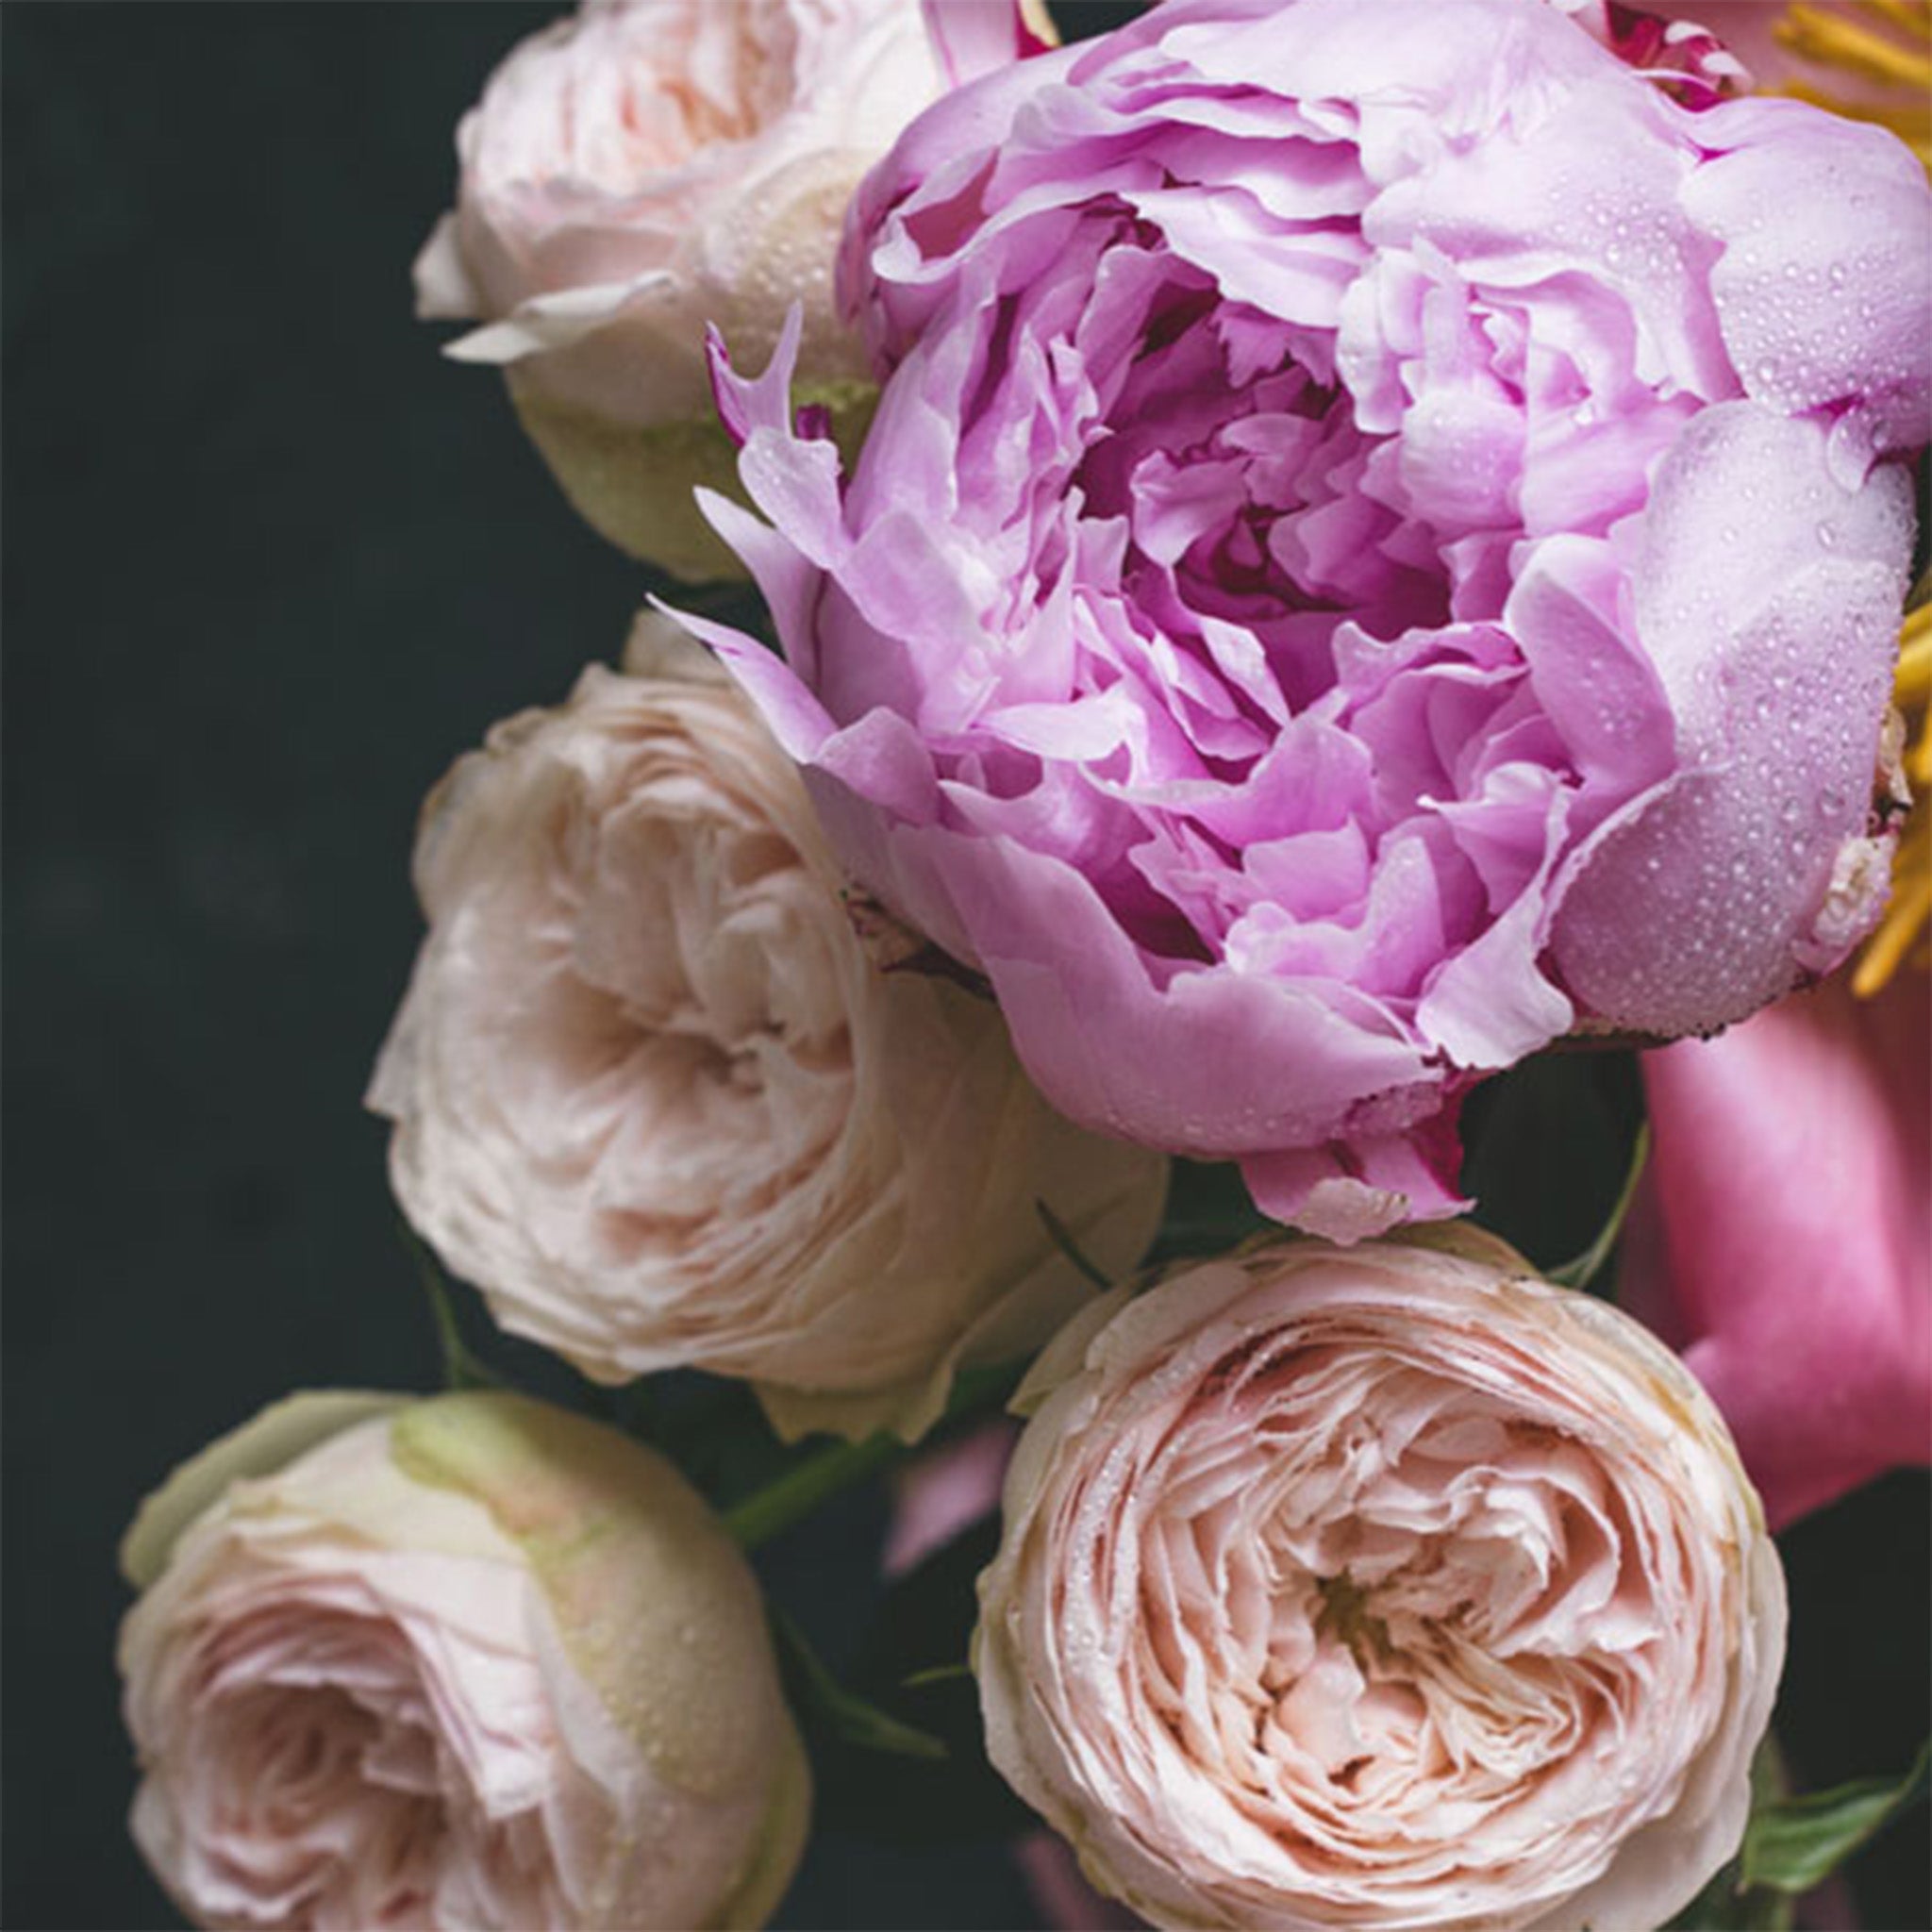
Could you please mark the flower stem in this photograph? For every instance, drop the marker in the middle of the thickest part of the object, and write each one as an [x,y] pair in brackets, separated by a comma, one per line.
[461,1367]
[803,1488]
[1589,1264]
[818,1477]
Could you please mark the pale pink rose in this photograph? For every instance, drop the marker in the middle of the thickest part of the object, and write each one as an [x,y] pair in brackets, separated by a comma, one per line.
[1788,1246]
[656,1099]
[649,166]
[465,1663]
[1379,1588]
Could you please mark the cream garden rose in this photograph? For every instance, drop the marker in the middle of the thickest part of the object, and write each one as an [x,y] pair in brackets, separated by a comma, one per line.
[648,167]
[657,1101]
[1382,1587]
[464,1662]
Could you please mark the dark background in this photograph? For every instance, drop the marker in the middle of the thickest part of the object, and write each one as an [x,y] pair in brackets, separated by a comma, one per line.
[270,564]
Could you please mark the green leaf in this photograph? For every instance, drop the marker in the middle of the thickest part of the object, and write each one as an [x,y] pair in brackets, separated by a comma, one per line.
[823,1703]
[1585,1269]
[1794,1844]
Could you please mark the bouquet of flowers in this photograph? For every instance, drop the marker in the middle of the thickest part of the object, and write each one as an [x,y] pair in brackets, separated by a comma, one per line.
[1260,805]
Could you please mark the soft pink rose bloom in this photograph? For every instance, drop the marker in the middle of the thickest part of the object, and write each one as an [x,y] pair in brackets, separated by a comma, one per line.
[1380,547]
[648,166]
[656,1100]
[1787,1244]
[1381,1587]
[466,1662]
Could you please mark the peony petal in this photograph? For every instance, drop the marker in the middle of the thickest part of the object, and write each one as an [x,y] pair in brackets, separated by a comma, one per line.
[1789,1255]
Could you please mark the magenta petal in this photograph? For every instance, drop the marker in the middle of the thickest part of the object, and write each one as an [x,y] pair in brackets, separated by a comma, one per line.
[1594,682]
[1214,1062]
[1355,1191]
[977,36]
[1793,1258]
[1328,602]
[798,721]
[1823,286]
[1774,634]
[1492,1004]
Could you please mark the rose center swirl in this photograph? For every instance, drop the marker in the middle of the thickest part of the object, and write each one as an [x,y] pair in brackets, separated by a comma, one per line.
[1422,1609]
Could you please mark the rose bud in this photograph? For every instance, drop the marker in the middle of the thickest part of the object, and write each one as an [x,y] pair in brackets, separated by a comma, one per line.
[1380,548]
[1379,1586]
[654,1097]
[642,169]
[1785,1239]
[464,1663]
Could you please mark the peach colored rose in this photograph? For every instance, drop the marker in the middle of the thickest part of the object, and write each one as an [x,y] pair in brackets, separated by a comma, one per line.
[1379,1588]
[656,1100]
[464,1663]
[644,168]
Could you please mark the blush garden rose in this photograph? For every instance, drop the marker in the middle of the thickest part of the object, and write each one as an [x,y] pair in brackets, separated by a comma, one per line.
[1380,547]
[1382,1587]
[650,166]
[464,1662]
[656,1099]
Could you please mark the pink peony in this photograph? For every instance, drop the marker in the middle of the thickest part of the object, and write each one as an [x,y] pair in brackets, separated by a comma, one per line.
[1788,1244]
[1379,549]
